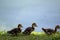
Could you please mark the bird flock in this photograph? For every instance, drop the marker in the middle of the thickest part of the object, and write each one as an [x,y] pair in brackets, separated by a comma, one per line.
[28,30]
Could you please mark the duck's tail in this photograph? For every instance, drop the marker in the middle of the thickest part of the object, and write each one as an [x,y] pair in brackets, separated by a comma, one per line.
[9,32]
[44,30]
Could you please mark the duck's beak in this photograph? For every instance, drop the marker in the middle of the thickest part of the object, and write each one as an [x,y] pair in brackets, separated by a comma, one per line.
[59,27]
[36,26]
[21,27]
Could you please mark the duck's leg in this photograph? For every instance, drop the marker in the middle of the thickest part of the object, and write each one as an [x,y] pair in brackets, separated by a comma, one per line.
[25,32]
[15,33]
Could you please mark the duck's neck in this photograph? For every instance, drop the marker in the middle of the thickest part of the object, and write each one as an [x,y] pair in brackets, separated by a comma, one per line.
[55,29]
[19,27]
[32,26]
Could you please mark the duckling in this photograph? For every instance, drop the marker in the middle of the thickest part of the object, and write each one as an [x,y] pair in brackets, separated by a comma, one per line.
[28,30]
[15,31]
[50,31]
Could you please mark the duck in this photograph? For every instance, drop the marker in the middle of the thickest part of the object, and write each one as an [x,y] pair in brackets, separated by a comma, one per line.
[29,30]
[15,31]
[50,31]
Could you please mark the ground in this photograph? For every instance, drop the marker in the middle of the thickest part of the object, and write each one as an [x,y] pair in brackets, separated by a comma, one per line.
[33,36]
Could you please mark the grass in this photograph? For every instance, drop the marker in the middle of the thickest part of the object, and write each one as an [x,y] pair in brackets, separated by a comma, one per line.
[33,36]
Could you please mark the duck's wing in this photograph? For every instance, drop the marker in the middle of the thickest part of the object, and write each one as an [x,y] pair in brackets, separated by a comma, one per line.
[46,30]
[28,29]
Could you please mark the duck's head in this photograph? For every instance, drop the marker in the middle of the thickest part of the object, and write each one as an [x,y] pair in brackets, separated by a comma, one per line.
[20,26]
[57,26]
[34,24]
